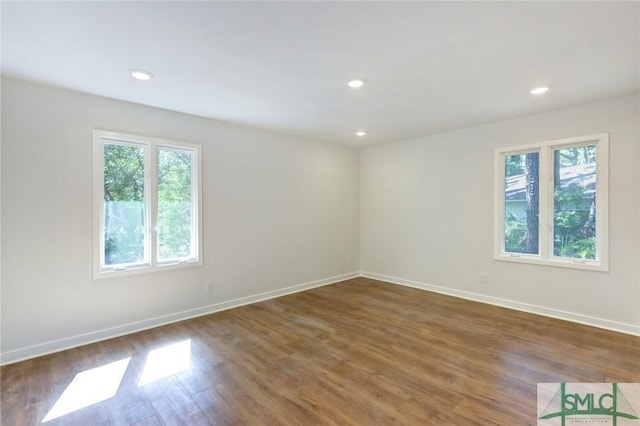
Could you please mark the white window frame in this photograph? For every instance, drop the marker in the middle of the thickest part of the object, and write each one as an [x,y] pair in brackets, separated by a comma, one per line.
[545,218]
[150,146]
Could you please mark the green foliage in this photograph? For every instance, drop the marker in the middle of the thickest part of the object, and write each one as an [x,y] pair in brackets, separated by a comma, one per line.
[574,206]
[576,155]
[124,209]
[515,234]
[574,227]
[123,173]
[174,204]
[514,165]
[124,193]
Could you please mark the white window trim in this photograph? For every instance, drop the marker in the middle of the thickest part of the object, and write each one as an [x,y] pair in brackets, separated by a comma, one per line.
[545,257]
[150,146]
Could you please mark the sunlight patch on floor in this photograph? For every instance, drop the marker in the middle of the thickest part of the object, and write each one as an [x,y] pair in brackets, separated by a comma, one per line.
[166,361]
[89,387]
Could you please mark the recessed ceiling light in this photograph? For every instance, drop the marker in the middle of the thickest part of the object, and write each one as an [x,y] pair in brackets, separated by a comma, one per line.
[141,75]
[354,84]
[539,90]
[361,133]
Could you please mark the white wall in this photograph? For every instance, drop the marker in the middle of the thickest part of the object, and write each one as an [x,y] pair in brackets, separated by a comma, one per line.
[427,217]
[281,212]
[278,212]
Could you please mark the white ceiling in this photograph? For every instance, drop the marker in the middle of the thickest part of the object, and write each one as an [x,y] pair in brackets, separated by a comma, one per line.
[429,66]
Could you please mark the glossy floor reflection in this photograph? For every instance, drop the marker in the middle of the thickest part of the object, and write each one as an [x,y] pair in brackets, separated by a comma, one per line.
[166,361]
[89,387]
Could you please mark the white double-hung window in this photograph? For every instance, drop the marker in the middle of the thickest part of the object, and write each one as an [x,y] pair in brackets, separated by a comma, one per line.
[147,204]
[552,203]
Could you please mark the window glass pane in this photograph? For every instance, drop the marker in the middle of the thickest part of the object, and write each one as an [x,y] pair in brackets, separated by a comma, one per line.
[574,202]
[521,201]
[124,215]
[175,204]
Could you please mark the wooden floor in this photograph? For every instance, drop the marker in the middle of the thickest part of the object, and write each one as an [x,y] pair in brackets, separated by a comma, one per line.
[361,352]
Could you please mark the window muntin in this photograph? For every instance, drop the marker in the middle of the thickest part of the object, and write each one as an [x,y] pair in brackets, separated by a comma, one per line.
[147,201]
[552,203]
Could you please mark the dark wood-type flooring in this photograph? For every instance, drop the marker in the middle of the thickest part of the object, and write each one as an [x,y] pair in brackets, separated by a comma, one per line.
[360,352]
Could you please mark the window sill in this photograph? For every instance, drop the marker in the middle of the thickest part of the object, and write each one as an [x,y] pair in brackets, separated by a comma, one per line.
[588,265]
[146,269]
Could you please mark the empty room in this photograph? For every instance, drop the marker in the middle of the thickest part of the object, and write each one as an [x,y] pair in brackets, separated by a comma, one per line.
[320,213]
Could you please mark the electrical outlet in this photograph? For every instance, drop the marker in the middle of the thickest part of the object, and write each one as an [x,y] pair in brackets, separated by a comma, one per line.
[484,278]
[208,287]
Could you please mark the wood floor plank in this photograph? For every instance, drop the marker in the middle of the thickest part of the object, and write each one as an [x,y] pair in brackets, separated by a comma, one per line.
[130,405]
[360,352]
[172,404]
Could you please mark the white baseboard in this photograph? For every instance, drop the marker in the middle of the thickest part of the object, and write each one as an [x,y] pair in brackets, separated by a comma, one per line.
[632,329]
[22,354]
